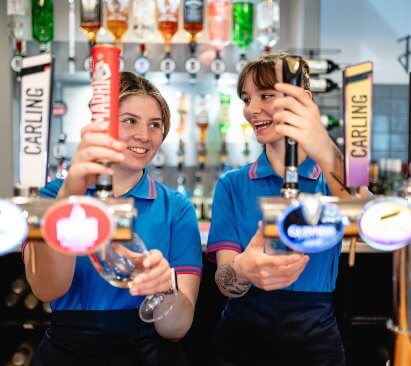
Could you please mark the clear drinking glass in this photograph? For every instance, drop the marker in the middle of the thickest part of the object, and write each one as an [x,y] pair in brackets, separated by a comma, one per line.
[119,262]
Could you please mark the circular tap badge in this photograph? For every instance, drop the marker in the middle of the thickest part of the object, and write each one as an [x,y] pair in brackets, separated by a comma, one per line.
[78,225]
[218,66]
[13,226]
[167,65]
[192,65]
[142,65]
[88,64]
[297,231]
[385,223]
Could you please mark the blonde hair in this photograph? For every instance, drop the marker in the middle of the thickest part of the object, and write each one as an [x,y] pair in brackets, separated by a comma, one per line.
[131,84]
[262,71]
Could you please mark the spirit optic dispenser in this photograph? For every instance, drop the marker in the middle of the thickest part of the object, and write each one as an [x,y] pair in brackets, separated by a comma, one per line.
[43,23]
[193,25]
[117,19]
[219,28]
[242,28]
[90,19]
[18,24]
[267,23]
[167,23]
[143,18]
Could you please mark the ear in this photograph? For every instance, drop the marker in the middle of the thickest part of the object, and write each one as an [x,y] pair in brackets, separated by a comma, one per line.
[309,93]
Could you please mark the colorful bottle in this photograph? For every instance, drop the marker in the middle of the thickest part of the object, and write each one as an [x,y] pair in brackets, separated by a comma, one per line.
[117,19]
[167,21]
[143,13]
[268,23]
[219,23]
[43,23]
[193,18]
[329,121]
[201,114]
[375,186]
[18,23]
[242,23]
[224,117]
[90,19]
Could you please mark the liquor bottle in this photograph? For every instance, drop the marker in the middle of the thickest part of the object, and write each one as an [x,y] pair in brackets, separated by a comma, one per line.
[31,301]
[405,190]
[329,121]
[197,197]
[22,355]
[219,23]
[242,23]
[143,18]
[90,19]
[224,116]
[193,25]
[322,85]
[387,182]
[18,23]
[43,23]
[201,115]
[117,19]
[375,186]
[317,67]
[181,186]
[397,179]
[19,285]
[268,23]
[247,133]
[382,170]
[193,18]
[167,20]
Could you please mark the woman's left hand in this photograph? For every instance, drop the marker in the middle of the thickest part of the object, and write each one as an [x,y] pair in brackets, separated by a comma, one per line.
[297,116]
[156,278]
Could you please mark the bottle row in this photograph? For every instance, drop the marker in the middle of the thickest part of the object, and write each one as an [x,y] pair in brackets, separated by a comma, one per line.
[240,23]
[389,176]
[20,297]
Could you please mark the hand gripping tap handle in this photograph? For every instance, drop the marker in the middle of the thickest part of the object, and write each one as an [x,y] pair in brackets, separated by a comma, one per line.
[292,74]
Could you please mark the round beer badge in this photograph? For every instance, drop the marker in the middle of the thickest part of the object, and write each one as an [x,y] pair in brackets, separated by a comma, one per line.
[297,231]
[13,226]
[385,224]
[78,225]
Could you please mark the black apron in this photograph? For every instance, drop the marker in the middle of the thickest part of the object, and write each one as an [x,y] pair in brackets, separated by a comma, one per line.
[280,327]
[107,338]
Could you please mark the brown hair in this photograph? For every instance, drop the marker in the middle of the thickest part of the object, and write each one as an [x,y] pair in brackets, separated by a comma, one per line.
[131,84]
[262,70]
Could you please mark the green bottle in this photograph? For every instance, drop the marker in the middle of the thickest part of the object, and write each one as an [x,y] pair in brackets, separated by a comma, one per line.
[224,118]
[43,23]
[242,23]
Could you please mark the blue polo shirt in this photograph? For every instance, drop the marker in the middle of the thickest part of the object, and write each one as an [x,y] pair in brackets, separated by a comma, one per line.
[236,213]
[166,221]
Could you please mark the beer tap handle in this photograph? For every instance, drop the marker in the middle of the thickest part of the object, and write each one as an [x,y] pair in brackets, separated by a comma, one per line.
[351,254]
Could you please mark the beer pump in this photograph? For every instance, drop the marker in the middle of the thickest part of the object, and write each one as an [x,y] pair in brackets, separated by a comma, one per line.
[77,225]
[314,223]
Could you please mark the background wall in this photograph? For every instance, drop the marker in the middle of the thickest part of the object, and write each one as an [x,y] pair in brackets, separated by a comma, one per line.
[367,30]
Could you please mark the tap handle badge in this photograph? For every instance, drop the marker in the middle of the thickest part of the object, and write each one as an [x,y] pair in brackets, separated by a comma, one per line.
[105,82]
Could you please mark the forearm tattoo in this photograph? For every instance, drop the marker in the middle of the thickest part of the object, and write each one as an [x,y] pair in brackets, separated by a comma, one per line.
[227,282]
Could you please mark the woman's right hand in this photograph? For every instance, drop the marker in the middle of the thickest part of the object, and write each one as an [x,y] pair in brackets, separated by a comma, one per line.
[95,145]
[268,272]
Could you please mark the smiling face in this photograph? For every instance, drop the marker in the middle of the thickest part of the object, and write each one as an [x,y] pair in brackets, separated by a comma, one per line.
[258,107]
[141,128]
